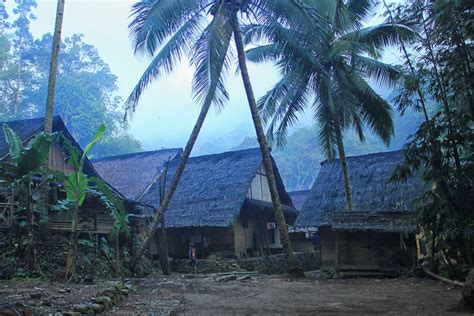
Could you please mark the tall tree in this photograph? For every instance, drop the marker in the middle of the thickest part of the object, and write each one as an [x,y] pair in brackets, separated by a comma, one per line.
[334,69]
[203,30]
[53,66]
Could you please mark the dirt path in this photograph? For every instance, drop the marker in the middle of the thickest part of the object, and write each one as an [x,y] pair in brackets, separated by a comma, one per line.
[269,295]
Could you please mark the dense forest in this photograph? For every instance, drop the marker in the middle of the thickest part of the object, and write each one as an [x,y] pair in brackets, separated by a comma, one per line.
[86,88]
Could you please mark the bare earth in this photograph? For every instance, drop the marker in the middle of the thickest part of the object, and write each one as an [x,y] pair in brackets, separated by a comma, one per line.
[260,295]
[270,295]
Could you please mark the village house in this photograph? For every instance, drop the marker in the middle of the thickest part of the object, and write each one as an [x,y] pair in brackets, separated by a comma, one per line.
[222,204]
[302,238]
[92,217]
[377,236]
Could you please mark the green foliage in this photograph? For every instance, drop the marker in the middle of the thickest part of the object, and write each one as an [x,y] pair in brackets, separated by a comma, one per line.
[85,89]
[443,147]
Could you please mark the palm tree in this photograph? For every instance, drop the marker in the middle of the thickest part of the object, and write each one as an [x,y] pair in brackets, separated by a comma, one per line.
[329,75]
[203,30]
[53,66]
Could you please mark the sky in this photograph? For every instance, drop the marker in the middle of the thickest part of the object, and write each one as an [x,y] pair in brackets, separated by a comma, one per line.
[167,112]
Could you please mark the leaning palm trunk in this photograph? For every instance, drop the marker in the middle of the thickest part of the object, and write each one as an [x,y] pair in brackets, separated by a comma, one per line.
[267,161]
[174,184]
[345,172]
[53,66]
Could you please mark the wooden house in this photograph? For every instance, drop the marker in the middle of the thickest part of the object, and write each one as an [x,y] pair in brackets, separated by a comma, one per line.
[377,235]
[302,238]
[93,217]
[132,174]
[222,204]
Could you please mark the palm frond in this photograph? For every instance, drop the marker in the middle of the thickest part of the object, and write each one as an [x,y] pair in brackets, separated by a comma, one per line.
[212,58]
[155,21]
[383,73]
[166,60]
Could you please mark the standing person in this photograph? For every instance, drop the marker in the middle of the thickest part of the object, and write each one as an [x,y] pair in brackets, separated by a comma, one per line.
[192,254]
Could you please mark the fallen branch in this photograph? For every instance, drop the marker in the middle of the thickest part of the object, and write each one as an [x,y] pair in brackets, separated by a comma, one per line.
[443,279]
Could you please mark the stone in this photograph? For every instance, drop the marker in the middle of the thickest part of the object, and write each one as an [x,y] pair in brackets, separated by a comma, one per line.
[81,308]
[104,300]
[70,313]
[58,314]
[468,291]
[124,291]
[62,291]
[68,290]
[36,295]
[97,308]
[46,303]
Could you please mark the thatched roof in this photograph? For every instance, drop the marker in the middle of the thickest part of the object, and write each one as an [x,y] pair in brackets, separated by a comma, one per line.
[298,198]
[213,189]
[375,200]
[26,129]
[132,174]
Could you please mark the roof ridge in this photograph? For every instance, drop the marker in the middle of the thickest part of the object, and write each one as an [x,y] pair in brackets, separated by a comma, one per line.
[390,152]
[142,153]
[226,152]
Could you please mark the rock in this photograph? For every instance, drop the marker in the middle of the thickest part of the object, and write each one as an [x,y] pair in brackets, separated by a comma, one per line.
[81,308]
[36,295]
[104,300]
[69,313]
[124,291]
[46,303]
[68,290]
[62,291]
[58,314]
[468,291]
[97,308]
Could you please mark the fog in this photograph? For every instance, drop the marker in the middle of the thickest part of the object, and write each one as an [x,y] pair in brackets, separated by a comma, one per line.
[167,111]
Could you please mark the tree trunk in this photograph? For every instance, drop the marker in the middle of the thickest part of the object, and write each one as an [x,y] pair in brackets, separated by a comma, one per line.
[53,65]
[71,255]
[18,85]
[267,161]
[345,172]
[162,247]
[30,250]
[174,183]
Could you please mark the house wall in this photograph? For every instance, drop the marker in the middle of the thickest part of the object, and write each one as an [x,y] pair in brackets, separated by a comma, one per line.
[259,188]
[373,250]
[58,159]
[207,241]
[327,246]
[366,250]
[89,220]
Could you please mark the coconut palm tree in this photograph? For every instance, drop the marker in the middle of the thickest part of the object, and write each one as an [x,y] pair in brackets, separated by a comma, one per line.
[203,30]
[329,76]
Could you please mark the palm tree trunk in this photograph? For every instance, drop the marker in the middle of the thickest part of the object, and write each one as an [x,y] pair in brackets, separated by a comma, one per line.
[345,172]
[30,250]
[53,65]
[267,161]
[174,183]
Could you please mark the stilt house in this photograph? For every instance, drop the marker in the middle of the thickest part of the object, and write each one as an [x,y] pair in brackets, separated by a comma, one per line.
[377,236]
[222,204]
[93,217]
[302,239]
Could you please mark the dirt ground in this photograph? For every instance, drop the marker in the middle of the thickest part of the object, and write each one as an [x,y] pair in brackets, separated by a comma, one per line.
[260,295]
[270,295]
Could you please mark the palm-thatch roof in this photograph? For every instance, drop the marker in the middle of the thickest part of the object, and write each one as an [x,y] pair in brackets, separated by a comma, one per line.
[377,203]
[298,198]
[131,174]
[27,129]
[213,190]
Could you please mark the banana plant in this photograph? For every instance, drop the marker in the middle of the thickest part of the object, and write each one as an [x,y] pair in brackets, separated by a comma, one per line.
[76,185]
[18,172]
